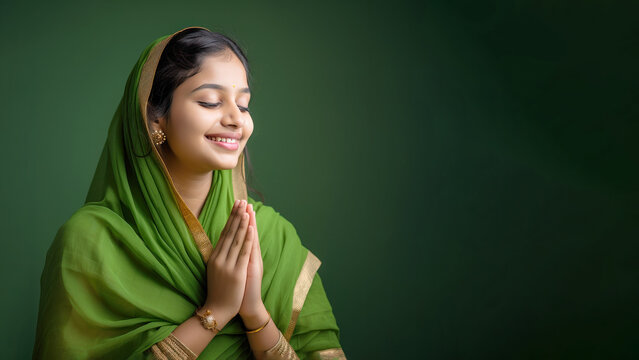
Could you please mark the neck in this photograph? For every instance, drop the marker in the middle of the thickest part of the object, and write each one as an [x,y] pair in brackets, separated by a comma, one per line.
[192,186]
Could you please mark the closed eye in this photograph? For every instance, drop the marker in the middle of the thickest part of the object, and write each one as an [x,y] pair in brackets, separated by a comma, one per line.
[208,105]
[214,105]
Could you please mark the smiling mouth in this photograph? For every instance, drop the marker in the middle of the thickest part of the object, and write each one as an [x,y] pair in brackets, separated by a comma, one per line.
[223,140]
[225,143]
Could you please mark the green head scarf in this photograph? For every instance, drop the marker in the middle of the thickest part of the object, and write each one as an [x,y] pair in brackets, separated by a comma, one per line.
[129,266]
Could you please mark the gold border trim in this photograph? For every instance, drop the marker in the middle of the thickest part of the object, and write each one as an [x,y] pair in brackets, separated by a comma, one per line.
[303,284]
[239,179]
[145,83]
[171,348]
[330,354]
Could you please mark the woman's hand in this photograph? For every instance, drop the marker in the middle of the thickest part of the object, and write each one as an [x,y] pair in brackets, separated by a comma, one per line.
[252,302]
[227,267]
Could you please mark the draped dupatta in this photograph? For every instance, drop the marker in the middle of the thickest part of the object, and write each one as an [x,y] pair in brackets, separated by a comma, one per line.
[129,266]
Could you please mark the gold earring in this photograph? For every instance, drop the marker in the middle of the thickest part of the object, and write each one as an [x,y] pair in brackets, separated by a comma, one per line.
[158,137]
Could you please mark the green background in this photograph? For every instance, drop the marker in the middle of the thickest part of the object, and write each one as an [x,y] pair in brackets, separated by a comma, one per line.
[466,171]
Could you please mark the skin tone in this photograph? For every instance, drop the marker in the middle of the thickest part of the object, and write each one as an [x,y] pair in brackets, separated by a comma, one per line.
[234,270]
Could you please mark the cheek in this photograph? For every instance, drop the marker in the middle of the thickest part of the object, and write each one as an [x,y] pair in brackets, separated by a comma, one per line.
[182,136]
[248,127]
[187,124]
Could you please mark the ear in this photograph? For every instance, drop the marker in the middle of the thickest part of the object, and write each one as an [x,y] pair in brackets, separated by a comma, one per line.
[156,123]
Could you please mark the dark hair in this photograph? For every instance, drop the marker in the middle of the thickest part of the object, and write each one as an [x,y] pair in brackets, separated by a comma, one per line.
[182,58]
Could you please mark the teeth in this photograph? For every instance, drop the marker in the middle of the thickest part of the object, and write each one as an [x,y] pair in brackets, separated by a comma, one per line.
[226,140]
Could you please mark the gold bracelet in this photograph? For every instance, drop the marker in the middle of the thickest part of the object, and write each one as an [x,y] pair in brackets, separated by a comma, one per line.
[207,320]
[261,327]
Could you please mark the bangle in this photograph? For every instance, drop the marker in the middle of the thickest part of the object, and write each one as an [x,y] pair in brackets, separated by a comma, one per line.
[208,320]
[261,327]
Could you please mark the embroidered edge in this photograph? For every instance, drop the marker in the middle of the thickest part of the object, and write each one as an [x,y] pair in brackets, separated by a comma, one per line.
[303,284]
[239,179]
[331,354]
[145,83]
[185,349]
[171,348]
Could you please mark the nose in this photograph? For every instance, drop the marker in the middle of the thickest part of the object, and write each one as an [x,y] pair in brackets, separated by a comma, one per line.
[232,116]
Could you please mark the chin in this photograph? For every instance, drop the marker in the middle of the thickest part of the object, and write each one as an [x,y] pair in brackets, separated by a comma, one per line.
[225,165]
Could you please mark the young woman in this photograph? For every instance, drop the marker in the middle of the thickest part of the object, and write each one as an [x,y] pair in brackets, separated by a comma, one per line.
[169,258]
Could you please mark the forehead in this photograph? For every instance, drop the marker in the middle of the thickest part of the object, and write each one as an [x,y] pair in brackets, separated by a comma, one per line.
[226,69]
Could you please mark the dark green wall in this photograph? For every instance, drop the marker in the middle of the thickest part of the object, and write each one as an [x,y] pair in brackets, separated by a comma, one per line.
[466,171]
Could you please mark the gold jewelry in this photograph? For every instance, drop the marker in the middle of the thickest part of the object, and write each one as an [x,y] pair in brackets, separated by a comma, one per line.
[261,327]
[282,350]
[158,137]
[207,320]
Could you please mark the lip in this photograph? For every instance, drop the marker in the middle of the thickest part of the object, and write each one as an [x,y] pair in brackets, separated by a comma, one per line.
[228,146]
[227,135]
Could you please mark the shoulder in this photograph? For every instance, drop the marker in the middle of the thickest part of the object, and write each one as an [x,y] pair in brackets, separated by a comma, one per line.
[272,224]
[87,227]
[87,219]
[269,215]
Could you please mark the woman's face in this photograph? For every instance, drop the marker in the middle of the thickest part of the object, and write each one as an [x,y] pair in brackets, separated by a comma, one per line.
[208,123]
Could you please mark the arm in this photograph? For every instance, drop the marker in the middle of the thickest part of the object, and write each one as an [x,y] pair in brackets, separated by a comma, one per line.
[265,348]
[316,334]
[267,343]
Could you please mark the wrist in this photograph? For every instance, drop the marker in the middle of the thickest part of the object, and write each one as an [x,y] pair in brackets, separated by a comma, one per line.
[221,315]
[256,317]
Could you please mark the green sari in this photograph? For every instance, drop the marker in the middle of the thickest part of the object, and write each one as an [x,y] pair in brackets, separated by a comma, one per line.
[130,265]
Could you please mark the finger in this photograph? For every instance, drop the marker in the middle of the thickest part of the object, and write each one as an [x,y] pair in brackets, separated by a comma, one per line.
[254,223]
[255,249]
[257,238]
[235,225]
[253,246]
[257,245]
[216,251]
[228,222]
[245,253]
[224,233]
[236,217]
[252,213]
[238,240]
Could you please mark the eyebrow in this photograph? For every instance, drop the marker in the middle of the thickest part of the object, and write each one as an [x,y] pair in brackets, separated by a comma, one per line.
[218,87]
